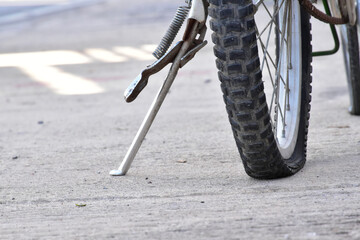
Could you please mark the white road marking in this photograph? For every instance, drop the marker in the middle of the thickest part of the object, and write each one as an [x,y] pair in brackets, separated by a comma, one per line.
[104,55]
[47,58]
[134,53]
[149,47]
[61,82]
[40,66]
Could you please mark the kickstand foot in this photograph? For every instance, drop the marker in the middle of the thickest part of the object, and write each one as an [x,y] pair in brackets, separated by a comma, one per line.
[116,172]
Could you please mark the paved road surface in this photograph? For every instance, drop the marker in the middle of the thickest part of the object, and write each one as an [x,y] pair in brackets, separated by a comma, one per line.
[59,141]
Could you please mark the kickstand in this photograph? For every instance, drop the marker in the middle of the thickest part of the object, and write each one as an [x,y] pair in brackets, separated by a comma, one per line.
[178,61]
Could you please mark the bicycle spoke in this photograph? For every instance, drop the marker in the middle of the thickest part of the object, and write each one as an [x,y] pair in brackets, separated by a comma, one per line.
[288,62]
[267,45]
[272,18]
[265,60]
[279,110]
[272,100]
[257,4]
[289,48]
[278,69]
[272,83]
[286,86]
[267,55]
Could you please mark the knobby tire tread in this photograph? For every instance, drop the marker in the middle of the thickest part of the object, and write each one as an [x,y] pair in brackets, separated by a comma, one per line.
[234,36]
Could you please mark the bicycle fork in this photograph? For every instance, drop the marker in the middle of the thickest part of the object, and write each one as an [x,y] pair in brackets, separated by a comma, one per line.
[179,55]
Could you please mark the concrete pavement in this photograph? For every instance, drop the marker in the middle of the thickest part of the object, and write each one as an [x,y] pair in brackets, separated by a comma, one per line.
[187,182]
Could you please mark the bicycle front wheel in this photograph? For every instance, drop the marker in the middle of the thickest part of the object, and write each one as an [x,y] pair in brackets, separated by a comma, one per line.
[266,92]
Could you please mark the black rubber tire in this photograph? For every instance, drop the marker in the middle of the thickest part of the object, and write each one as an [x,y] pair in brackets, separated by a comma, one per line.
[234,36]
[352,65]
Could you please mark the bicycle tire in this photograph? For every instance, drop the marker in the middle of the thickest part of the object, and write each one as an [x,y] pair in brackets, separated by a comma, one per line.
[236,50]
[350,46]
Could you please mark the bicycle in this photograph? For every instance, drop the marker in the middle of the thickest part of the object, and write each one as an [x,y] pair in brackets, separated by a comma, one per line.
[264,70]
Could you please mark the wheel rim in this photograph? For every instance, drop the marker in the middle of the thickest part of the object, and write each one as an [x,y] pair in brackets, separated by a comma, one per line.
[282,68]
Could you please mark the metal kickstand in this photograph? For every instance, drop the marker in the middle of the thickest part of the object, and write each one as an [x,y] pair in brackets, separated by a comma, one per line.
[179,55]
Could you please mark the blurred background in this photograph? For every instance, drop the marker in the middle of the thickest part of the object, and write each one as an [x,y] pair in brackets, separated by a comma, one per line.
[80,32]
